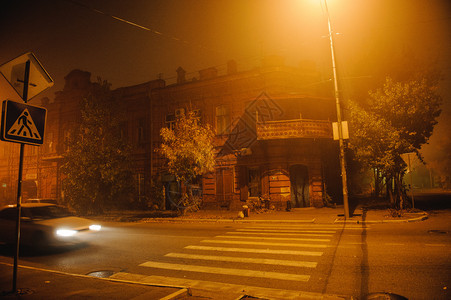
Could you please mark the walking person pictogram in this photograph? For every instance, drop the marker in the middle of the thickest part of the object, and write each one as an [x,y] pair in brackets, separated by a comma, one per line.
[25,127]
[24,120]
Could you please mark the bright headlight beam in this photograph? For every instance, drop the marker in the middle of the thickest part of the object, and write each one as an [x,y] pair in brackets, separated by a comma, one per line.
[66,232]
[95,227]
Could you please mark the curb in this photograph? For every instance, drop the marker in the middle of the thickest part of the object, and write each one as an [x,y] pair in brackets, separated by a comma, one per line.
[308,219]
[181,293]
[422,217]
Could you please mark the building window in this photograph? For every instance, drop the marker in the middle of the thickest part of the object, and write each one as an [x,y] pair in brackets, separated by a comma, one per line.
[139,184]
[197,115]
[222,120]
[179,112]
[170,121]
[49,142]
[123,128]
[66,139]
[142,132]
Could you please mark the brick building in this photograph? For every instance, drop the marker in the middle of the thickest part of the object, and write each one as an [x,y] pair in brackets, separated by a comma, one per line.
[273,127]
[274,133]
[41,175]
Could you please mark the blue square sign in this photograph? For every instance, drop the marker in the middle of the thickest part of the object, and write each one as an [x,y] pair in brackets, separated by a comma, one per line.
[23,123]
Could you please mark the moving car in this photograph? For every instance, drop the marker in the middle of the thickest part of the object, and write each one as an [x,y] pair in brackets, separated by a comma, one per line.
[45,225]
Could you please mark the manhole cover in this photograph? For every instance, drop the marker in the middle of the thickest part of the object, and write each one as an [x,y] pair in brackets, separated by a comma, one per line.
[101,274]
[438,231]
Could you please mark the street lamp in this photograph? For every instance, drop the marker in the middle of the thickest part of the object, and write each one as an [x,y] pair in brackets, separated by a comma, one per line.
[339,120]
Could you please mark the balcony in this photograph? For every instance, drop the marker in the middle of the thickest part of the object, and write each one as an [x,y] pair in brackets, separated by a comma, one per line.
[289,129]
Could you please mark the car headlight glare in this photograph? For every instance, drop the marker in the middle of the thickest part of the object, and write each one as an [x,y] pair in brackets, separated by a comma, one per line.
[65,232]
[95,227]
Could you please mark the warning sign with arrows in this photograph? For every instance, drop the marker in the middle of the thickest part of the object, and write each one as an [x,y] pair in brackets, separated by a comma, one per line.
[23,123]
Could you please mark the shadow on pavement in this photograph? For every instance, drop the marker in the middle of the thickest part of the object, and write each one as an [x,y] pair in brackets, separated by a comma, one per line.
[426,201]
[432,201]
[24,251]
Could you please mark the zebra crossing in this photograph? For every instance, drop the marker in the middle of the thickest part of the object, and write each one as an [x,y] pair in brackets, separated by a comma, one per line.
[283,254]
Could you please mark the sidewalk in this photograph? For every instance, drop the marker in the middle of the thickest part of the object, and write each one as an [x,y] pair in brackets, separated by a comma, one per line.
[325,215]
[33,283]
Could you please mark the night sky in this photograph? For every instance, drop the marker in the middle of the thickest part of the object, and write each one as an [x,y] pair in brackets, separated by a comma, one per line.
[376,38]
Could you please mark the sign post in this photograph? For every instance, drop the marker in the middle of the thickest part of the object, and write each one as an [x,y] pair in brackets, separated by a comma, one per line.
[19,184]
[20,127]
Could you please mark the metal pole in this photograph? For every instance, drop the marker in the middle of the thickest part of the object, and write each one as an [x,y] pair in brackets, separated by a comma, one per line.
[339,119]
[19,182]
[411,182]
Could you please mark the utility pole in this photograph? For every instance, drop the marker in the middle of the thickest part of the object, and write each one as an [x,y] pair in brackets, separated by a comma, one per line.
[339,119]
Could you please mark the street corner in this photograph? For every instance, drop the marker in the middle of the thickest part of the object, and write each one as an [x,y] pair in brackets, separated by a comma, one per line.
[394,216]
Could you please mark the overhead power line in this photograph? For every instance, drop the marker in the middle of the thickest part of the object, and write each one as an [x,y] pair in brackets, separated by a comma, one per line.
[141,26]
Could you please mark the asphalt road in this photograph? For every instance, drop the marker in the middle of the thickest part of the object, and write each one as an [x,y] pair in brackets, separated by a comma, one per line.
[409,259]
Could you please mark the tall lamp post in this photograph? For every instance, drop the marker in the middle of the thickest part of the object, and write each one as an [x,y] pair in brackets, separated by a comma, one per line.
[344,179]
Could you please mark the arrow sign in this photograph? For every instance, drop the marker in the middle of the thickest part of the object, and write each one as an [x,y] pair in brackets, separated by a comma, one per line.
[23,123]
[14,72]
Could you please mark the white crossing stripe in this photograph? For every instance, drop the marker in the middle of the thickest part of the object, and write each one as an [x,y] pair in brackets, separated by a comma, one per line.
[281,234]
[265,261]
[287,230]
[226,271]
[264,243]
[272,238]
[249,250]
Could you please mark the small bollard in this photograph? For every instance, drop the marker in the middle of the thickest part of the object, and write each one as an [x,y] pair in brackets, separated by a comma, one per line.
[246,210]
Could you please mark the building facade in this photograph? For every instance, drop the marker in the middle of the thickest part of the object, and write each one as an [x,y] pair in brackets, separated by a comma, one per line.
[272,124]
[273,133]
[41,170]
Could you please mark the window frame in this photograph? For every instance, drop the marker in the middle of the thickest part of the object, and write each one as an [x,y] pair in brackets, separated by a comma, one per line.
[222,119]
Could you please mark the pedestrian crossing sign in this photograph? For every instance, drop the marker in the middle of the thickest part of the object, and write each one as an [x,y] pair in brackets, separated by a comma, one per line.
[22,123]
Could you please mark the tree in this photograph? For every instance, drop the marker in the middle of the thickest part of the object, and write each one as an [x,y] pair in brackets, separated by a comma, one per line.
[188,148]
[97,163]
[397,118]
